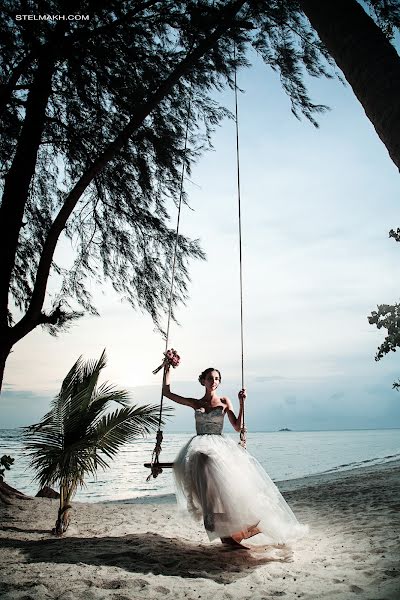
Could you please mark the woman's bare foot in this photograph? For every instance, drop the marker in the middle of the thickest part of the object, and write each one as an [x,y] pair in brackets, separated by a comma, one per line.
[253,530]
[246,533]
[230,541]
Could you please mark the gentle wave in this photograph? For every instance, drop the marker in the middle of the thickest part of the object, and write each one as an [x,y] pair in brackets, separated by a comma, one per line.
[284,455]
[370,461]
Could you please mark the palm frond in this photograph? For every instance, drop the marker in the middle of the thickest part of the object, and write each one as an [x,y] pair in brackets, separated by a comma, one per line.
[106,389]
[77,435]
[102,398]
[122,426]
[91,372]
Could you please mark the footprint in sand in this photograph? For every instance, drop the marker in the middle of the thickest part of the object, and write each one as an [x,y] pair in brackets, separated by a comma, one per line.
[114,584]
[392,573]
[139,584]
[355,589]
[162,589]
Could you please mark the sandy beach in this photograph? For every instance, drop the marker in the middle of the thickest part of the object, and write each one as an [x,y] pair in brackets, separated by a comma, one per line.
[127,551]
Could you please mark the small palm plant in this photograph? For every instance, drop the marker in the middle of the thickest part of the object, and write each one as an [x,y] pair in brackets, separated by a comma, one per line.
[79,432]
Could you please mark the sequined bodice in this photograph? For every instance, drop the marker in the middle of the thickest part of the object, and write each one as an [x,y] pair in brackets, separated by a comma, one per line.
[211,422]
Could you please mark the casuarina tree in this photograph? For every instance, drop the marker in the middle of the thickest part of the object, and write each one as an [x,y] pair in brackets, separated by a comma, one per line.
[93,122]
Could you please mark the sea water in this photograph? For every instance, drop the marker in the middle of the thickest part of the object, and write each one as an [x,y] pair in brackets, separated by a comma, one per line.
[284,455]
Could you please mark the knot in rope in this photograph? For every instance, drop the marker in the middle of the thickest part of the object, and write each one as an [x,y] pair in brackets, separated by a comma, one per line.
[155,463]
[243,440]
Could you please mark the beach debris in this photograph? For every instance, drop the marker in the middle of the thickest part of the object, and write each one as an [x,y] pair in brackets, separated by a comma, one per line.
[47,492]
[7,493]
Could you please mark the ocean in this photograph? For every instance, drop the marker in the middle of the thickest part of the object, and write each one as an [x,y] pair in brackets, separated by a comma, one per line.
[284,455]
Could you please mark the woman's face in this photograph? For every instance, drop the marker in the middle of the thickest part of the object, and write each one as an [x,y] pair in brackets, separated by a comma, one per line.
[212,380]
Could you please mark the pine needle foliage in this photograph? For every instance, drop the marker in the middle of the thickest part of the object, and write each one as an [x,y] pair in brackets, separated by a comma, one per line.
[93,117]
[386,13]
[100,74]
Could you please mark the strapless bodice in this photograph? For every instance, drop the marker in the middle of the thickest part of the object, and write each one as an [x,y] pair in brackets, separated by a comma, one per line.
[211,422]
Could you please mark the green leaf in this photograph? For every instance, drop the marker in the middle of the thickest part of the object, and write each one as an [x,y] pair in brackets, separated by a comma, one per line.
[79,433]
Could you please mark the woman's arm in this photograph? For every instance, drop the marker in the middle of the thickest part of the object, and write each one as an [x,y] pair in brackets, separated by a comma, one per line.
[168,394]
[236,422]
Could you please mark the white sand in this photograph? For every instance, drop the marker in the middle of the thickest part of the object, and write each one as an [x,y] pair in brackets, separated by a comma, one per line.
[130,551]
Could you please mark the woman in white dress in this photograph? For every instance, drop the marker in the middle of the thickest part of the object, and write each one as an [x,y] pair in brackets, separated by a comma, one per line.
[220,482]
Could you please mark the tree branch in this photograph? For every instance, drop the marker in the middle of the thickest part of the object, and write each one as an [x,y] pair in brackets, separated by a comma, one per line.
[28,322]
[79,35]
[19,177]
[7,89]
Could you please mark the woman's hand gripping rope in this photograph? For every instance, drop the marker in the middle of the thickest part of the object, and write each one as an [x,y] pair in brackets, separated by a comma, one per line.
[242,395]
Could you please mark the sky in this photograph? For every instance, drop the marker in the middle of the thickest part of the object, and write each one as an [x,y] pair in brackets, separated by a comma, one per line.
[317,206]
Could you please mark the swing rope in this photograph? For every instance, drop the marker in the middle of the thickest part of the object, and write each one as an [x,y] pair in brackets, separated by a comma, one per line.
[243,429]
[155,466]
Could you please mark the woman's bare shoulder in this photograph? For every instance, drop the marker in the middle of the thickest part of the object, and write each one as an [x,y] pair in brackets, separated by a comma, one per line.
[226,401]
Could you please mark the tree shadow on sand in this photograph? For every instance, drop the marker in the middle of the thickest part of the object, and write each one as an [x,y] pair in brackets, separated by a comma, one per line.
[152,553]
[22,529]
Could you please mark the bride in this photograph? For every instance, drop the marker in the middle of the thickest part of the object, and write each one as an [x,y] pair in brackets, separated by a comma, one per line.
[220,482]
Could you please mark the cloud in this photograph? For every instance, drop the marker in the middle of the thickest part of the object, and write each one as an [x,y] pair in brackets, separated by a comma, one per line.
[20,407]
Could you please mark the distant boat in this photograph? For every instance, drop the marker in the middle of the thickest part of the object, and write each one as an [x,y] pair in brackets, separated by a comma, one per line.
[284,429]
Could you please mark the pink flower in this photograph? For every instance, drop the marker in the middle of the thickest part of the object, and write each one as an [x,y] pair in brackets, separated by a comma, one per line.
[171,358]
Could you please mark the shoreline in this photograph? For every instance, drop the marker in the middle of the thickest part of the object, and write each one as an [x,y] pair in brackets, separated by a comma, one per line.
[126,551]
[332,476]
[284,485]
[323,453]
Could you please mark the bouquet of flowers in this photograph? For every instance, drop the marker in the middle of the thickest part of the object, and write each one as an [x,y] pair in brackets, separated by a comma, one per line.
[171,358]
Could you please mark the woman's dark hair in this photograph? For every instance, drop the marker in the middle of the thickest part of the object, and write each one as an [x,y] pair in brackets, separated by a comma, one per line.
[204,374]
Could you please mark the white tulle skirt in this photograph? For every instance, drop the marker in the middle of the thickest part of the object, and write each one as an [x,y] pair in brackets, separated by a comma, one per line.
[219,482]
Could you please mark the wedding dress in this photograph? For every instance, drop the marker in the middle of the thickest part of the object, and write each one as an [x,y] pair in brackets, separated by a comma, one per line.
[222,484]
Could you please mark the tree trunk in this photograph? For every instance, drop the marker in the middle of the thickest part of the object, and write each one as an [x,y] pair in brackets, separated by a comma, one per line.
[5,350]
[63,520]
[368,60]
[19,177]
[7,89]
[22,170]
[64,512]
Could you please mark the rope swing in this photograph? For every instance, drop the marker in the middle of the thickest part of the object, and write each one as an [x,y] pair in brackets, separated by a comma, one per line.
[170,356]
[155,465]
[243,429]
